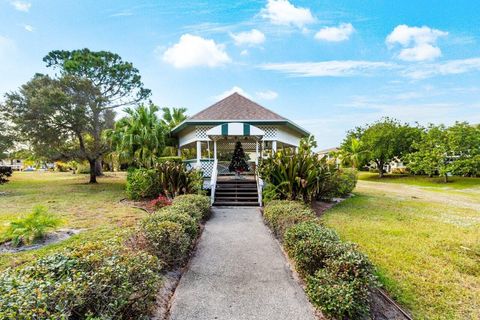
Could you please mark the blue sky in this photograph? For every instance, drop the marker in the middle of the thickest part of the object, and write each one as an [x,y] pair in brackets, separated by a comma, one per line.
[328,65]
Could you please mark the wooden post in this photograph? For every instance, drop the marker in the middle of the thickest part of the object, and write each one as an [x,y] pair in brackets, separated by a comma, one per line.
[256,153]
[214,149]
[274,145]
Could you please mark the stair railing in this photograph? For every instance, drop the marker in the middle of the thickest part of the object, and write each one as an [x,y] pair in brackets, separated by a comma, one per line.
[259,189]
[213,181]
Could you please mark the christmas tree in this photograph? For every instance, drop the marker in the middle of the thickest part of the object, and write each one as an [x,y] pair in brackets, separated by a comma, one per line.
[238,163]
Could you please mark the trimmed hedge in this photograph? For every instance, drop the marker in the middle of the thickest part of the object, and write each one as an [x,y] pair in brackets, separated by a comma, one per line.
[309,245]
[198,204]
[94,280]
[115,279]
[281,215]
[339,278]
[188,223]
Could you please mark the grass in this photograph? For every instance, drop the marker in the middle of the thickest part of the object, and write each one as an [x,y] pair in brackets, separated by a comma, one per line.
[426,244]
[93,208]
[455,183]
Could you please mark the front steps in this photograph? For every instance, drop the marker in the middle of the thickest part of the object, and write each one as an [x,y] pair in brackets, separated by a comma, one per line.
[236,193]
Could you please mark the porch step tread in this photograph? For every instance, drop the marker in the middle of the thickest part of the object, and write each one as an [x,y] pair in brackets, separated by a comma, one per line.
[235,198]
[236,204]
[230,193]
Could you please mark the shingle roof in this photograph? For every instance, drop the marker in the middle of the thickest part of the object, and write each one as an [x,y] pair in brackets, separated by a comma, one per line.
[236,107]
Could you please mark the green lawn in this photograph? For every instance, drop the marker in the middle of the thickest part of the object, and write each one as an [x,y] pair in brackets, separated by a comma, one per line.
[93,208]
[424,238]
[457,183]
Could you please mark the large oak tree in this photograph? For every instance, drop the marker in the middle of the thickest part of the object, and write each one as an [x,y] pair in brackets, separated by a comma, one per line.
[65,115]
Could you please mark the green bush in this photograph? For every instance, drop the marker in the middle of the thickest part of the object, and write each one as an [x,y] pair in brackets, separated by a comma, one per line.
[281,215]
[199,202]
[336,297]
[143,183]
[167,240]
[31,228]
[170,158]
[339,184]
[5,172]
[175,179]
[93,281]
[188,223]
[83,168]
[309,245]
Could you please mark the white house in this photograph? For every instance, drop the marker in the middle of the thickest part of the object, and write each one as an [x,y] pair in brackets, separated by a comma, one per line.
[213,132]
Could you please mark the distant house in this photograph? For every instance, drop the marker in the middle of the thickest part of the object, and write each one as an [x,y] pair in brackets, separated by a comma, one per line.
[328,153]
[210,137]
[394,166]
[15,164]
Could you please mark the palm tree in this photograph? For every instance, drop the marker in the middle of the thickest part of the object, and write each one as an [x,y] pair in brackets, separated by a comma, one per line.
[172,117]
[352,153]
[138,138]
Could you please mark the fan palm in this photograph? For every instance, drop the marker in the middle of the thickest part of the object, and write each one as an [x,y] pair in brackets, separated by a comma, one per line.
[138,138]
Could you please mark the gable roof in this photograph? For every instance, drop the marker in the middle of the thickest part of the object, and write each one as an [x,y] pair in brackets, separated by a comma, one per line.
[236,107]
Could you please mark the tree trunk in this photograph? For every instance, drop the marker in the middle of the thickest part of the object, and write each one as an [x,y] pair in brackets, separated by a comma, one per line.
[98,167]
[445,178]
[93,174]
[380,169]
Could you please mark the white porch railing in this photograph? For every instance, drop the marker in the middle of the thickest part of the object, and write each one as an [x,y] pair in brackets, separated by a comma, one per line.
[259,189]
[213,180]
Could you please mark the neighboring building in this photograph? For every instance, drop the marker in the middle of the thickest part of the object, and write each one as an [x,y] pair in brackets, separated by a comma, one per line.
[212,133]
[16,164]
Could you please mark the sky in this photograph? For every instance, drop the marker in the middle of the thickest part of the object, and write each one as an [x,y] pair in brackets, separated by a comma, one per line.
[328,65]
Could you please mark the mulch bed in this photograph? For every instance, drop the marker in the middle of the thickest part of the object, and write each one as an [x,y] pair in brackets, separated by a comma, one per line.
[50,238]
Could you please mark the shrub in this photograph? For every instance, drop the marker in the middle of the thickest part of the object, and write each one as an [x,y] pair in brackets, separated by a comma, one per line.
[159,203]
[188,223]
[167,240]
[280,215]
[339,184]
[61,166]
[170,158]
[82,168]
[338,298]
[93,281]
[31,228]
[310,245]
[199,202]
[175,179]
[5,172]
[142,183]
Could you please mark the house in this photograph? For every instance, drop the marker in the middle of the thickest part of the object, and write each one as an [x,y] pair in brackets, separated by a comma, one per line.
[210,136]
[15,164]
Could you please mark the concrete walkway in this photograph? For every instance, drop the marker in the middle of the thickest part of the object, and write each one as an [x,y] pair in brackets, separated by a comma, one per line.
[239,272]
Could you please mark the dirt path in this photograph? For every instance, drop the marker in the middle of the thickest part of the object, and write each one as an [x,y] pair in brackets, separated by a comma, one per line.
[450,198]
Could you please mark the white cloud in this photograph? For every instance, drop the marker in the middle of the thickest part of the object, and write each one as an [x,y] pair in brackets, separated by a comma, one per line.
[419,43]
[328,68]
[267,95]
[443,68]
[21,5]
[28,28]
[335,34]
[249,38]
[244,52]
[192,51]
[282,12]
[230,91]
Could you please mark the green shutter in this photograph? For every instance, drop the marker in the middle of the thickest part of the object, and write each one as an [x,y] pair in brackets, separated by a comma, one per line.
[225,129]
[246,129]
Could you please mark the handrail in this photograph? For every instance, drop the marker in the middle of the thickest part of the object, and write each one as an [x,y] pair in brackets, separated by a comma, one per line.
[213,181]
[260,189]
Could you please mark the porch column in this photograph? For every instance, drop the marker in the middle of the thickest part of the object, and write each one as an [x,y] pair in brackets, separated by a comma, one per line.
[199,153]
[256,153]
[274,145]
[179,151]
[214,149]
